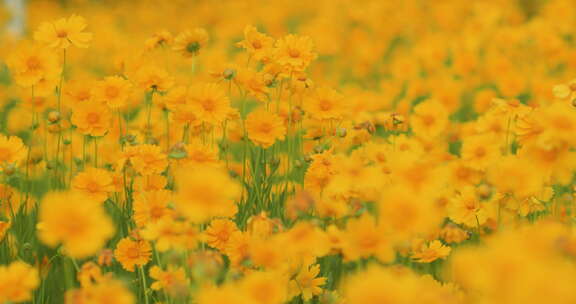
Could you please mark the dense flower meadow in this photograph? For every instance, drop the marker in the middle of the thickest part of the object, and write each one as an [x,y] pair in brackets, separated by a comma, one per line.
[270,152]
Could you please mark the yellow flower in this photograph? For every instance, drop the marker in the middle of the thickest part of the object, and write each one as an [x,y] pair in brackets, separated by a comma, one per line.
[230,293]
[205,192]
[254,83]
[94,183]
[467,209]
[149,160]
[132,253]
[169,233]
[92,118]
[107,291]
[17,281]
[64,32]
[151,206]
[160,38]
[395,285]
[430,119]
[479,151]
[258,45]
[113,90]
[153,78]
[12,151]
[173,280]
[363,239]
[265,128]
[210,103]
[295,52]
[265,287]
[30,63]
[430,252]
[4,226]
[81,225]
[307,283]
[219,232]
[516,175]
[324,104]
[189,43]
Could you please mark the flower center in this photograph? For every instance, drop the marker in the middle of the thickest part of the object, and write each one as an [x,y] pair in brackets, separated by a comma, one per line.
[208,105]
[294,53]
[325,105]
[33,63]
[112,92]
[257,44]
[265,128]
[193,47]
[133,253]
[62,34]
[92,187]
[92,118]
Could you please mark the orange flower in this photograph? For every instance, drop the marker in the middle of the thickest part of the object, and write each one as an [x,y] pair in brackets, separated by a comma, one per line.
[150,207]
[218,233]
[12,152]
[81,225]
[95,183]
[325,103]
[17,281]
[205,192]
[149,160]
[264,128]
[113,90]
[29,64]
[307,282]
[430,252]
[92,119]
[258,45]
[210,103]
[173,280]
[132,253]
[153,78]
[64,32]
[189,43]
[295,52]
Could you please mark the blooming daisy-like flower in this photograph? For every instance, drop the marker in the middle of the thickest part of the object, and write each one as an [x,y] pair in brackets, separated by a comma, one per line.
[160,38]
[94,183]
[131,253]
[64,32]
[153,78]
[258,45]
[205,192]
[254,82]
[12,151]
[173,280]
[81,225]
[189,43]
[307,282]
[17,281]
[218,233]
[77,92]
[92,118]
[30,63]
[210,102]
[427,253]
[151,206]
[149,160]
[113,90]
[295,52]
[325,103]
[264,128]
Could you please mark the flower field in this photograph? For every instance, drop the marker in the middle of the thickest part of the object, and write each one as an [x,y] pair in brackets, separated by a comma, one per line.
[288,151]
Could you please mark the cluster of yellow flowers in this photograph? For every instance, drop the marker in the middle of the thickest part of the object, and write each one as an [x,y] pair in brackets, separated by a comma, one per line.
[269,152]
